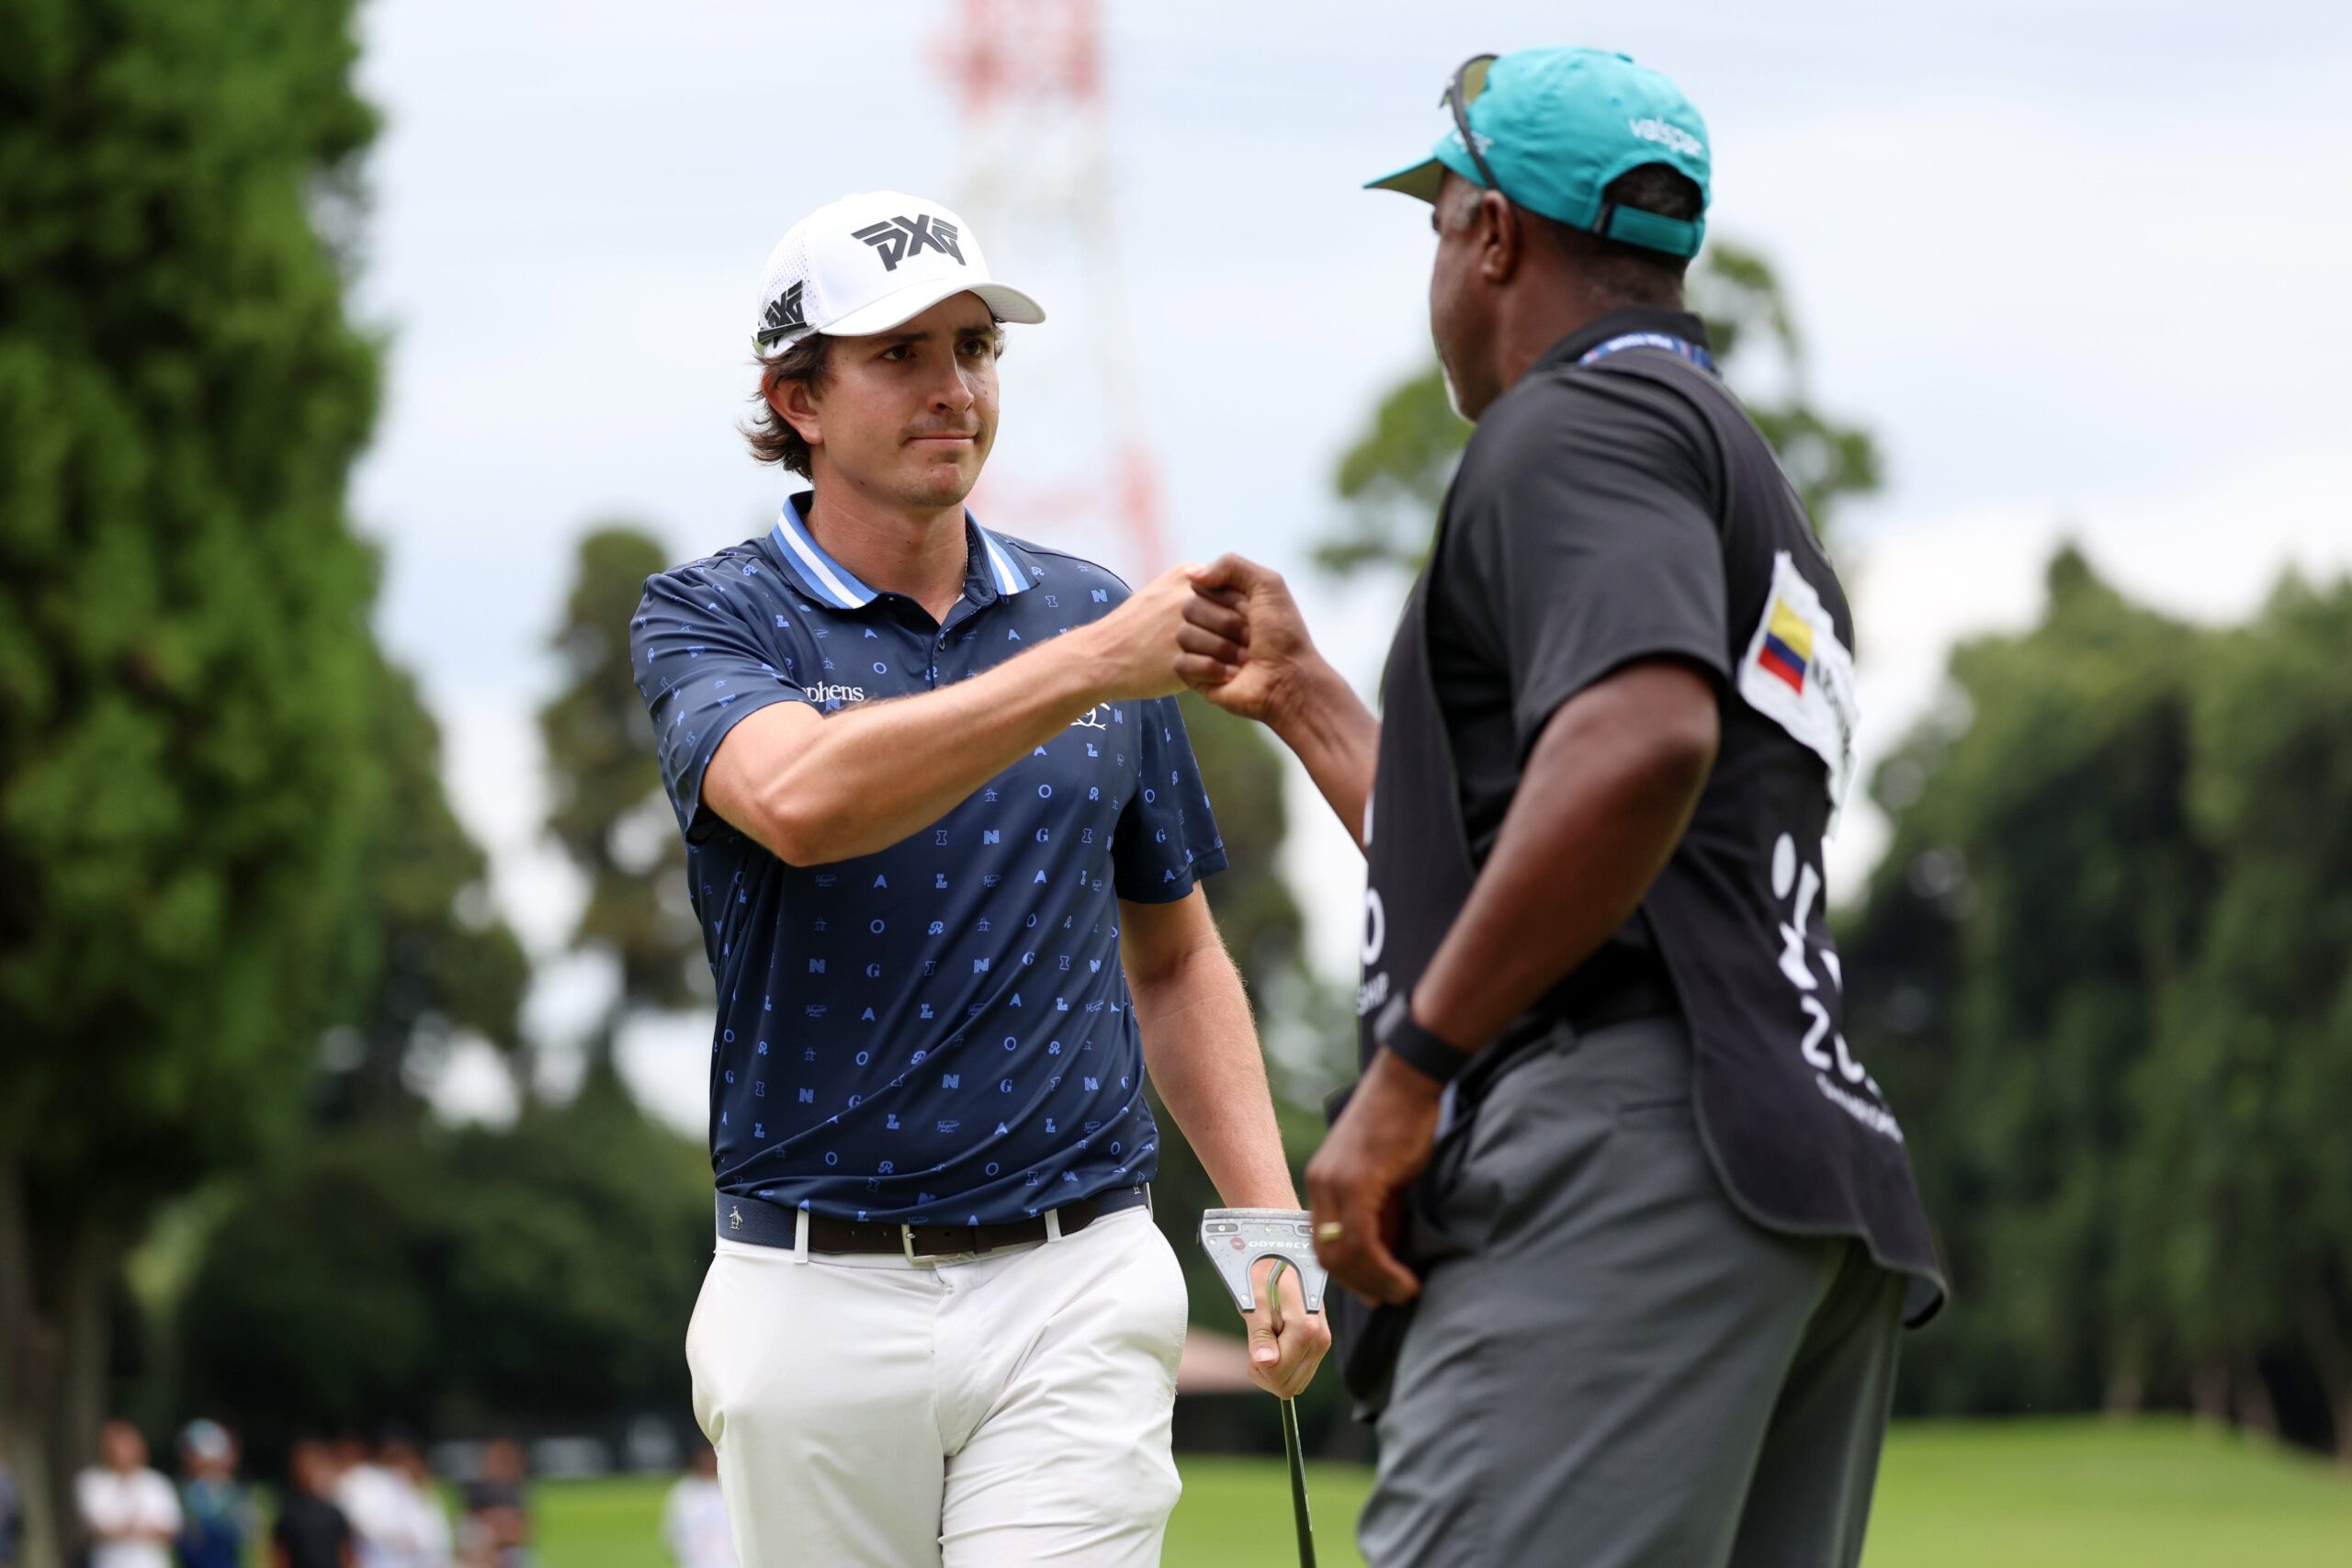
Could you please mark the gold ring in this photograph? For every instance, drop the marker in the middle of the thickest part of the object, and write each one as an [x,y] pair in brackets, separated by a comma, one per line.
[1329,1230]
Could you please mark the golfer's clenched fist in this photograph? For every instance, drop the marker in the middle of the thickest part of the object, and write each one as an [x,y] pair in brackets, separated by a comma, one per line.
[1137,646]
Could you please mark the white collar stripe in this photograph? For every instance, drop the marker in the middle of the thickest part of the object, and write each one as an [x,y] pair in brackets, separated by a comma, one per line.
[1008,578]
[847,593]
[834,583]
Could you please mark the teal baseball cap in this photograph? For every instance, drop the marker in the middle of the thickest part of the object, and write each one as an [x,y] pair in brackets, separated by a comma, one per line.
[1553,127]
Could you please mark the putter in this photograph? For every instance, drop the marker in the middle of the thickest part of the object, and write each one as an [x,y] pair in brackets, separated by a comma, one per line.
[1236,1239]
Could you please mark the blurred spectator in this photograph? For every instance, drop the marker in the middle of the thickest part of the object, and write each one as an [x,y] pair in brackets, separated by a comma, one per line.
[416,1533]
[310,1532]
[497,1531]
[694,1521]
[216,1515]
[129,1510]
[373,1500]
[11,1513]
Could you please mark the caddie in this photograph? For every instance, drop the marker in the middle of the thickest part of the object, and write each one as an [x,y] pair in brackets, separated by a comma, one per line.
[1660,1233]
[945,837]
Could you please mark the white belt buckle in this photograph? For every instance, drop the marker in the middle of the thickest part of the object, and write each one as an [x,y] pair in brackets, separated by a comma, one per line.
[907,1241]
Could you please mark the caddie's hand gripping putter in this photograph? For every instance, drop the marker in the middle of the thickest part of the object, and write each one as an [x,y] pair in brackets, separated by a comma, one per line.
[1236,1240]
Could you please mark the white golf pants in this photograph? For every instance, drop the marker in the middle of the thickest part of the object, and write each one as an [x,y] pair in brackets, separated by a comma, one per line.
[983,1413]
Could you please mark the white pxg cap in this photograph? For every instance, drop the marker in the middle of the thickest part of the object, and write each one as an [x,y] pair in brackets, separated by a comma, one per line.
[871,262]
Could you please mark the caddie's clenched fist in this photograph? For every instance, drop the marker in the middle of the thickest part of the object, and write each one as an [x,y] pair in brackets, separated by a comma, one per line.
[1252,668]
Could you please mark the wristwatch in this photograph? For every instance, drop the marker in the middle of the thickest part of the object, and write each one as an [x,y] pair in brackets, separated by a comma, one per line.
[1423,1052]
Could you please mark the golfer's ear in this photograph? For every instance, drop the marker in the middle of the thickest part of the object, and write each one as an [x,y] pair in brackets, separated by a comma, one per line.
[795,406]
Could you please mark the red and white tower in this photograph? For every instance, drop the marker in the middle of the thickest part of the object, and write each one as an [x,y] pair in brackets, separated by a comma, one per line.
[1033,174]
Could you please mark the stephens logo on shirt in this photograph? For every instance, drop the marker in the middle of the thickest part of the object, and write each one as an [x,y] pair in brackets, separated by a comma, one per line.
[826,693]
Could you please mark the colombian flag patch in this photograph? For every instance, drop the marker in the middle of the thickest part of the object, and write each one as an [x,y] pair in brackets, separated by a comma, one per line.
[1798,673]
[1787,648]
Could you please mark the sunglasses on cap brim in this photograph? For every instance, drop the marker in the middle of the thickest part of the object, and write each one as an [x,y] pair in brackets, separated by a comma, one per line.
[1469,80]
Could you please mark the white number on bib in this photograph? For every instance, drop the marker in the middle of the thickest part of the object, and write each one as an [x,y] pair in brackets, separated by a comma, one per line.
[1797,885]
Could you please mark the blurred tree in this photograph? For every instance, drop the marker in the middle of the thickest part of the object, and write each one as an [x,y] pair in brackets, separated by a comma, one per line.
[2108,947]
[1241,771]
[428,953]
[458,1280]
[2006,971]
[2242,1218]
[1395,476]
[186,667]
[607,807]
[1743,302]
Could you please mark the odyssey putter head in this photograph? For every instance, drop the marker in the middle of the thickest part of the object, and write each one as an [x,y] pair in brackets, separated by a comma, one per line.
[1237,1238]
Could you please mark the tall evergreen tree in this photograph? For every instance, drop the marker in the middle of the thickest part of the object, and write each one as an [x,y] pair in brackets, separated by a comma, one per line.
[2042,889]
[185,660]
[1241,771]
[2241,1205]
[428,956]
[608,809]
[453,1278]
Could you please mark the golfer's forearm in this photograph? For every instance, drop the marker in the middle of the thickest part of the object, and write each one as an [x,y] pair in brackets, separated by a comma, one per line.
[1201,1048]
[1606,794]
[863,779]
[1328,729]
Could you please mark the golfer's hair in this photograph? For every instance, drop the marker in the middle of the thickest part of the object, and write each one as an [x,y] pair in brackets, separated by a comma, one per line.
[810,361]
[1620,274]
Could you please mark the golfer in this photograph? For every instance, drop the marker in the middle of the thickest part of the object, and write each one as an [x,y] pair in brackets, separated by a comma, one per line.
[945,834]
[1660,1234]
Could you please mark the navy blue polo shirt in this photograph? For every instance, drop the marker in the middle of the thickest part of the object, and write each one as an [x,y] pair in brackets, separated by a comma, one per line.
[939,1031]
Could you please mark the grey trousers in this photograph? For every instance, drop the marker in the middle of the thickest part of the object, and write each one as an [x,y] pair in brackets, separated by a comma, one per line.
[1620,1370]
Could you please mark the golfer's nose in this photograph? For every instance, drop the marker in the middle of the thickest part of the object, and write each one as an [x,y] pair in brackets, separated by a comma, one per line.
[952,390]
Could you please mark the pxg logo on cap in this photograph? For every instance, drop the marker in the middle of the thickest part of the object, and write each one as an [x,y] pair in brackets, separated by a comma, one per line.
[891,239]
[872,262]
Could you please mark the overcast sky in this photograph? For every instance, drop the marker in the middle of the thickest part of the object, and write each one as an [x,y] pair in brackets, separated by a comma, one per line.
[2079,265]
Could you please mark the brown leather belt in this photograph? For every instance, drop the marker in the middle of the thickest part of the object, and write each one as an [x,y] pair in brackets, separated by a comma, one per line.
[763,1224]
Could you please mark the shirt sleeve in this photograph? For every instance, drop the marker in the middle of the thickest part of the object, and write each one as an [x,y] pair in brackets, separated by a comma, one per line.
[163,1505]
[673,1524]
[1594,546]
[1167,839]
[701,671]
[95,1500]
[432,1529]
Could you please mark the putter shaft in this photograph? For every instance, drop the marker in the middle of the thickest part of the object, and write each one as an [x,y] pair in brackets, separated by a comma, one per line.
[1293,1450]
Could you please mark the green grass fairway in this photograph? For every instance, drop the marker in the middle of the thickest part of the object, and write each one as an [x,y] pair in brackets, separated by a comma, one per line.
[1989,1494]
[2090,1494]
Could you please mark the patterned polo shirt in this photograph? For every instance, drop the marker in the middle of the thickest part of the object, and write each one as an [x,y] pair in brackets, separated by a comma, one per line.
[939,1031]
